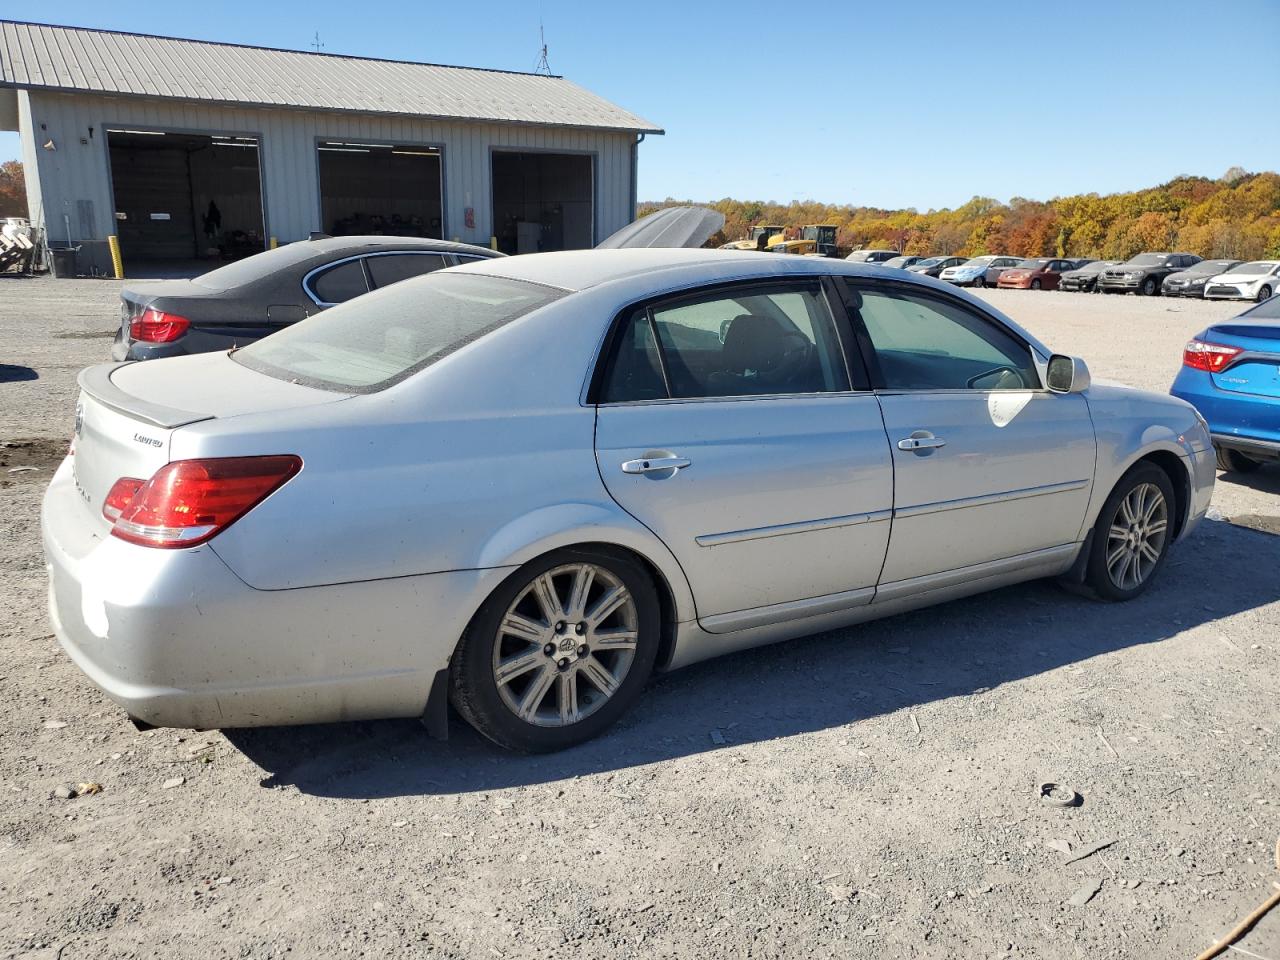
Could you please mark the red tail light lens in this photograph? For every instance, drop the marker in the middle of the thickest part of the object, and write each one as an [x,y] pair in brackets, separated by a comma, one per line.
[120,496]
[156,326]
[1201,355]
[189,501]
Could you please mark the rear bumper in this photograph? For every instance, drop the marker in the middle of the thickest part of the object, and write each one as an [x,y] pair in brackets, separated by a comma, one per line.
[1258,449]
[176,639]
[1246,422]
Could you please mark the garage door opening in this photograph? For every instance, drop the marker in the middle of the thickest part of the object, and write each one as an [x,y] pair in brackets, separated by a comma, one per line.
[542,201]
[380,188]
[181,196]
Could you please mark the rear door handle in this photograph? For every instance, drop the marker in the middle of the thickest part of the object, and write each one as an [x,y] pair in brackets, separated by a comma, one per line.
[655,465]
[921,443]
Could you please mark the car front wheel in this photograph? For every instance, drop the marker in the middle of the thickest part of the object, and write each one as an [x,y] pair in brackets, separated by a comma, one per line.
[559,651]
[1264,293]
[1132,536]
[1149,287]
[1036,284]
[979,281]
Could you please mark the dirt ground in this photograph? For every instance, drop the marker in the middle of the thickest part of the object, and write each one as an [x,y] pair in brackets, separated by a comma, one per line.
[866,793]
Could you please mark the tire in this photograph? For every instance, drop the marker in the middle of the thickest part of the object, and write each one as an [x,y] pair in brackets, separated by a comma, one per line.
[1233,461]
[1264,293]
[1036,284]
[547,651]
[1130,497]
[980,281]
[1150,288]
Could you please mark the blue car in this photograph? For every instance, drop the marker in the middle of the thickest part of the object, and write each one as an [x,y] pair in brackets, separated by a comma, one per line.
[1231,374]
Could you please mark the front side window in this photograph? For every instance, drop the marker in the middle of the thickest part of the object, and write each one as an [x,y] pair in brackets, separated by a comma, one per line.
[340,283]
[923,343]
[370,343]
[390,268]
[751,342]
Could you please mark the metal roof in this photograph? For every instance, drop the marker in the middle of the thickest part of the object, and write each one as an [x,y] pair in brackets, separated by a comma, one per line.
[46,57]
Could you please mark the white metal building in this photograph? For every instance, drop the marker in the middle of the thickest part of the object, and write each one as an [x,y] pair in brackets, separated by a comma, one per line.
[187,149]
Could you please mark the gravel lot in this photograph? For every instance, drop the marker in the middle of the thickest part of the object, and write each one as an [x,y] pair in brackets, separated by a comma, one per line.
[864,793]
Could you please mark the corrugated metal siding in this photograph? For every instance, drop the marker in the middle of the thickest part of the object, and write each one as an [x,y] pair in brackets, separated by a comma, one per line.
[290,174]
[97,61]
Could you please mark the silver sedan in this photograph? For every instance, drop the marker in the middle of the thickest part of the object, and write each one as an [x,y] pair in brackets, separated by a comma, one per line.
[522,486]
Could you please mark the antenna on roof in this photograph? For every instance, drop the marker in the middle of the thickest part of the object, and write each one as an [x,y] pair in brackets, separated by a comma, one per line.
[316,45]
[542,66]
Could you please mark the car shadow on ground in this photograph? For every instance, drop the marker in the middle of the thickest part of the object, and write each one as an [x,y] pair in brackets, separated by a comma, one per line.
[12,373]
[815,683]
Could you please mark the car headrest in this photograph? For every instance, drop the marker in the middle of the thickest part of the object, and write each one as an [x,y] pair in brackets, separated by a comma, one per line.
[752,342]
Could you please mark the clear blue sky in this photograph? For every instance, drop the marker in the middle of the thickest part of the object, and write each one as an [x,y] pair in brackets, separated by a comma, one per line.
[922,104]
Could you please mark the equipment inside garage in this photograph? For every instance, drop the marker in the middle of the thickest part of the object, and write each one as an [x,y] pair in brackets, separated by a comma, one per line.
[368,188]
[181,196]
[542,201]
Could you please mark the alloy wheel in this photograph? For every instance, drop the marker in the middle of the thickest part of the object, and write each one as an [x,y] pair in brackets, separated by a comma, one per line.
[1264,293]
[565,644]
[1137,536]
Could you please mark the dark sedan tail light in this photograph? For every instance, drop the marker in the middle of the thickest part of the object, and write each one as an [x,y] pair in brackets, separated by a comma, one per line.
[1202,355]
[189,501]
[156,326]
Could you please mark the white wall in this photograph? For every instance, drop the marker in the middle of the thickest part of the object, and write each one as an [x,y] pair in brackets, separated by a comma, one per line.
[77,171]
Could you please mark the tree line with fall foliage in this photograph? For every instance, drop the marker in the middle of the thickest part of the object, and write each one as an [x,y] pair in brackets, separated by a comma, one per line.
[1235,217]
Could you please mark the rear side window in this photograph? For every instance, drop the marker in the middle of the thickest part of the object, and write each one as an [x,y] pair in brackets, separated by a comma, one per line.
[923,343]
[340,283]
[393,267]
[376,341]
[752,342]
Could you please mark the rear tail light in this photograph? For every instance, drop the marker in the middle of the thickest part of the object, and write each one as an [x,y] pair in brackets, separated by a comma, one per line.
[156,326]
[1201,355]
[119,496]
[189,501]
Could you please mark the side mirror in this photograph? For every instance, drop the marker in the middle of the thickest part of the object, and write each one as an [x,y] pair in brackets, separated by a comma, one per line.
[1067,374]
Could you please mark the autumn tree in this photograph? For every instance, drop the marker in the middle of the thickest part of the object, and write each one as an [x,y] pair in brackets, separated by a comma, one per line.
[13,190]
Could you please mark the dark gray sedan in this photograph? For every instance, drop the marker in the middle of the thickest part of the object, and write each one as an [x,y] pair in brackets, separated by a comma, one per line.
[244,301]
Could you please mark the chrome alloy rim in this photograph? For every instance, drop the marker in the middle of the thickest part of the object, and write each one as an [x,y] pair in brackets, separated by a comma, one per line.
[565,645]
[1137,536]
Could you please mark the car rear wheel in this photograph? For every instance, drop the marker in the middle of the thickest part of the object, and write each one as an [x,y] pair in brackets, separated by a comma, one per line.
[559,651]
[1149,287]
[1264,293]
[1233,461]
[1132,536]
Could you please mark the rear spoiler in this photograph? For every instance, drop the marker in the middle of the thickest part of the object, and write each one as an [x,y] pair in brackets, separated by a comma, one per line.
[96,382]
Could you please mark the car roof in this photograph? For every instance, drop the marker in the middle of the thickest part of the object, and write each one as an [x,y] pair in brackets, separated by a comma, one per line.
[672,269]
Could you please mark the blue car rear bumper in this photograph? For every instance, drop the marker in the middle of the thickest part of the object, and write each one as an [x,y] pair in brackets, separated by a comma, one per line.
[1239,421]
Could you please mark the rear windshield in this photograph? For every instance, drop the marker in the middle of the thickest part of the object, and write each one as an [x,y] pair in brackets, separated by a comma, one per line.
[376,340]
[1266,310]
[254,268]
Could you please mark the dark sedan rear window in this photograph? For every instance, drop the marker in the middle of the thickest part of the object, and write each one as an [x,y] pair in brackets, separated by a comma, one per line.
[376,340]
[256,267]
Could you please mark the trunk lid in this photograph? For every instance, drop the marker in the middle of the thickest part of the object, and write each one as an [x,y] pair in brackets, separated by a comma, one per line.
[127,413]
[1257,372]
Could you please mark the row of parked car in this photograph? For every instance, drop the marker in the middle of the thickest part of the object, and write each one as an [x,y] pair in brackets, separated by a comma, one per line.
[1147,274]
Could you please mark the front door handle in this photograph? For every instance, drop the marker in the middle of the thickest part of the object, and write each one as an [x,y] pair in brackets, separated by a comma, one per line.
[655,465]
[929,442]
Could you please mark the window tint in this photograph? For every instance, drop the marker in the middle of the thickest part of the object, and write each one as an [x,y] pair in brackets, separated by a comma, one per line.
[394,267]
[747,343]
[339,284]
[928,344]
[377,340]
